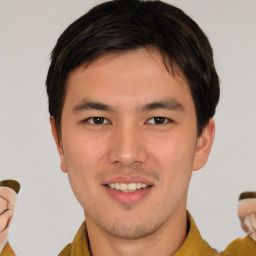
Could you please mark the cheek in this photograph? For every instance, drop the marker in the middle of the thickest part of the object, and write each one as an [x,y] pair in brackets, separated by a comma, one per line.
[175,152]
[84,158]
[174,158]
[82,152]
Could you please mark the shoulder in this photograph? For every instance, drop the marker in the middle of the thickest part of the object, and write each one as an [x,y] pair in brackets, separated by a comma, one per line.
[7,251]
[241,247]
[66,250]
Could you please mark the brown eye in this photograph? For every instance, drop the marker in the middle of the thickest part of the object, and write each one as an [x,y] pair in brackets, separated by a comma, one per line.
[158,120]
[97,120]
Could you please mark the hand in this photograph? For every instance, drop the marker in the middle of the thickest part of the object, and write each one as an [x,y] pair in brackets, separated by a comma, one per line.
[249,225]
[6,213]
[247,213]
[8,197]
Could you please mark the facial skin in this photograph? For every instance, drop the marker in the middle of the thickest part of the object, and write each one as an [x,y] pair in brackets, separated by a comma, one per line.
[130,144]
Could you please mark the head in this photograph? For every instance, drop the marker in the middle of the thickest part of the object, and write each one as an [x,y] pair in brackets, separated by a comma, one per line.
[120,26]
[132,91]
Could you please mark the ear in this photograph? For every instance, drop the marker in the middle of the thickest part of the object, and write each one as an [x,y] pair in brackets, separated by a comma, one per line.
[58,144]
[204,145]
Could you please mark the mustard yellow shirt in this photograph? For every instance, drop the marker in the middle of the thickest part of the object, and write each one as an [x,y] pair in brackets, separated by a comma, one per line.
[194,245]
[7,251]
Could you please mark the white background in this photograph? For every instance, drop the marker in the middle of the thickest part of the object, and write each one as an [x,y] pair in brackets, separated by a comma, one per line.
[47,214]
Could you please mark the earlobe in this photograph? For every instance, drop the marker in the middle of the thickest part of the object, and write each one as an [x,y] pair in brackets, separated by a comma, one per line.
[204,145]
[58,144]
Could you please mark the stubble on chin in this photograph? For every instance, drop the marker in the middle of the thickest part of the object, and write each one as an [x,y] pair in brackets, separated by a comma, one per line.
[132,231]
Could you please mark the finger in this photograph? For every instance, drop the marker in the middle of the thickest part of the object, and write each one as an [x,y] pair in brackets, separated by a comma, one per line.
[253,222]
[246,207]
[5,219]
[3,204]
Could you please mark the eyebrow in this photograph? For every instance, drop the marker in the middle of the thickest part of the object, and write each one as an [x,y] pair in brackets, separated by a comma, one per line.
[169,104]
[91,105]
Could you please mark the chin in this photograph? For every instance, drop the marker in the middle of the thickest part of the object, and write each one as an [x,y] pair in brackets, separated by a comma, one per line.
[133,230]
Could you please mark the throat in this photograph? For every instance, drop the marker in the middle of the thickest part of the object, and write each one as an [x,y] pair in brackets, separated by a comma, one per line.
[165,241]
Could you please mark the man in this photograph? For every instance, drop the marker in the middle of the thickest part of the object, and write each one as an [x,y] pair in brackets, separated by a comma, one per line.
[132,92]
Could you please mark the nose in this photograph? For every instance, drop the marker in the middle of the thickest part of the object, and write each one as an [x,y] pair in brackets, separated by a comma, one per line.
[127,147]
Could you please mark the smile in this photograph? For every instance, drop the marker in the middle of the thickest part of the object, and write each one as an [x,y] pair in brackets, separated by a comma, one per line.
[123,187]
[128,189]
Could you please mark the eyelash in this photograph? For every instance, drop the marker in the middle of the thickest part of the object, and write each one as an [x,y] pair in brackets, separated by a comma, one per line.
[93,120]
[166,120]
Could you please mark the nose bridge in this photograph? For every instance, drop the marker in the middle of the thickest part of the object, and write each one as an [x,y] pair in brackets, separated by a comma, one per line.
[127,145]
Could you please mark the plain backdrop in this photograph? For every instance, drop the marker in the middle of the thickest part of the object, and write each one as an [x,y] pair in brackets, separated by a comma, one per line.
[48,215]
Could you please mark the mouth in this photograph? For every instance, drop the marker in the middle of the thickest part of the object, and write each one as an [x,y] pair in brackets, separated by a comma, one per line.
[127,188]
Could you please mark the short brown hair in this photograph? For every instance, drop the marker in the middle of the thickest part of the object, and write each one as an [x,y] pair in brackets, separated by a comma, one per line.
[122,25]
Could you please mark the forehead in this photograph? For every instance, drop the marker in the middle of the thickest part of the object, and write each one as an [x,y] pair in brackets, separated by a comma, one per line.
[124,76]
[143,57]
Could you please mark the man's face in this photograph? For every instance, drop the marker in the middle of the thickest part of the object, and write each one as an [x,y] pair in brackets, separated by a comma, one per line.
[129,142]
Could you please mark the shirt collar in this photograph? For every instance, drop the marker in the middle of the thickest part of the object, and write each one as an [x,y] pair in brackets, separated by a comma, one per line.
[194,245]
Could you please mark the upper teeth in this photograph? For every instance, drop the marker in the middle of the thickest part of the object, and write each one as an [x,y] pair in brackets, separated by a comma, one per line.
[127,187]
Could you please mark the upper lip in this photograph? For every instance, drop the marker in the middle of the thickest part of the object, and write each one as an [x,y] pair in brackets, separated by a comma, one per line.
[127,180]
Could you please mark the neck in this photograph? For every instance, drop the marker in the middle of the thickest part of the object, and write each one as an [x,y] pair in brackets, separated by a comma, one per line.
[166,241]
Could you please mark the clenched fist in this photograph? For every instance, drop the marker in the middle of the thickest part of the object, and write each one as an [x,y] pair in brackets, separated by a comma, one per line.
[247,213]
[8,195]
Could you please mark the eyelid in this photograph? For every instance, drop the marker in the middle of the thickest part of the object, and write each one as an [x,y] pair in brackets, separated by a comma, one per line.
[106,121]
[87,120]
[167,120]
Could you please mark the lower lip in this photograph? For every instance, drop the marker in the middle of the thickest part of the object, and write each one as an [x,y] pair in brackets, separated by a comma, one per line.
[127,197]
